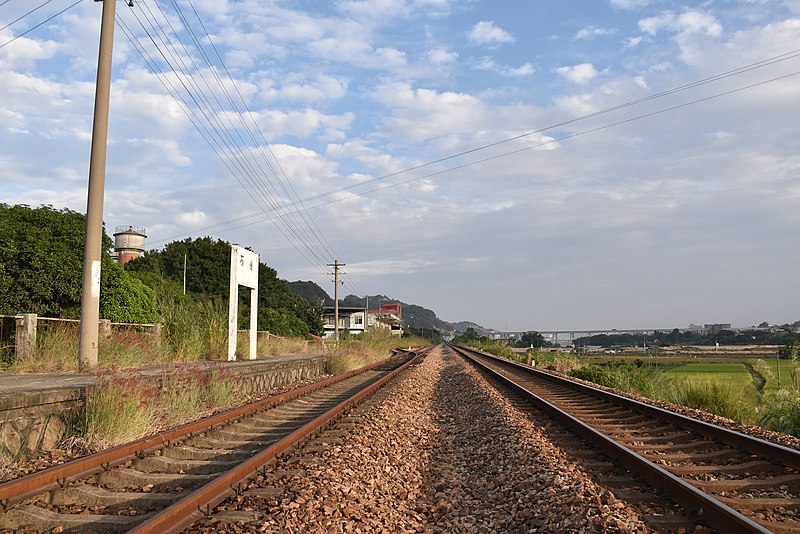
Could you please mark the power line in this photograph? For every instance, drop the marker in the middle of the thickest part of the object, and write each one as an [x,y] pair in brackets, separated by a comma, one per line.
[26,14]
[29,30]
[316,230]
[298,230]
[305,232]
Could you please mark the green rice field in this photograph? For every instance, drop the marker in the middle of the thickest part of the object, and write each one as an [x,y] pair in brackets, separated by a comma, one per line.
[731,373]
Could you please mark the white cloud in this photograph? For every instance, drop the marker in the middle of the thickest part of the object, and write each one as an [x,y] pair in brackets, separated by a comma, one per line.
[302,123]
[487,63]
[424,114]
[297,88]
[23,53]
[630,4]
[349,93]
[441,56]
[580,74]
[688,22]
[590,32]
[523,70]
[193,218]
[487,33]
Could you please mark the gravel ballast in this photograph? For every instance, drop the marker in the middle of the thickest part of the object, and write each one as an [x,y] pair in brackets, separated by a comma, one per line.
[438,451]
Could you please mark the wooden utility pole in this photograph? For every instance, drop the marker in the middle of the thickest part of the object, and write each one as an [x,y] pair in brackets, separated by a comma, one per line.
[90,298]
[336,266]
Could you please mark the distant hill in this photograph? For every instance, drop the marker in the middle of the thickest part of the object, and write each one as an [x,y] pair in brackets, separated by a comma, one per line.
[310,291]
[415,316]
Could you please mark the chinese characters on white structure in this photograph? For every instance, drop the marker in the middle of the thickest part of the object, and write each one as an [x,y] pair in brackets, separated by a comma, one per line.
[244,272]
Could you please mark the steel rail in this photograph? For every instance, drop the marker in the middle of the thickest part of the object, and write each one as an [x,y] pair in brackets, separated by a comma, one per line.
[198,503]
[774,451]
[719,516]
[56,477]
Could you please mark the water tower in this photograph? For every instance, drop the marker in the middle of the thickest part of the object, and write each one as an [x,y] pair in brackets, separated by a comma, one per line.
[128,242]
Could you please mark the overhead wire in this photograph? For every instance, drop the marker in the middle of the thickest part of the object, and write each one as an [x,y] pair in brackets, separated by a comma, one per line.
[242,162]
[40,6]
[201,128]
[45,21]
[310,220]
[297,230]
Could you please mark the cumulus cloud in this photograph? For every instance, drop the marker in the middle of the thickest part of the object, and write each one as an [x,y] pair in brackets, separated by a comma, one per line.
[523,70]
[420,114]
[487,63]
[193,218]
[487,33]
[302,123]
[442,56]
[688,22]
[580,74]
[298,88]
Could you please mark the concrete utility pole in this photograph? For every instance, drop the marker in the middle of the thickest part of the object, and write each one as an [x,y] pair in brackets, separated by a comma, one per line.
[90,299]
[336,266]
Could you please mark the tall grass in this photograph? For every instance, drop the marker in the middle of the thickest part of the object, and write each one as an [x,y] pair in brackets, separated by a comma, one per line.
[195,331]
[717,397]
[56,350]
[190,331]
[712,396]
[781,411]
[120,409]
[629,378]
[126,406]
[287,345]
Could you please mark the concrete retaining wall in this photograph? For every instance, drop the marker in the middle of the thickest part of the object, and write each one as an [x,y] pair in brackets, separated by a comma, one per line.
[37,410]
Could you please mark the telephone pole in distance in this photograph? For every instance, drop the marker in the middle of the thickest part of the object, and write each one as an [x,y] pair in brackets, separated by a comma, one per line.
[336,266]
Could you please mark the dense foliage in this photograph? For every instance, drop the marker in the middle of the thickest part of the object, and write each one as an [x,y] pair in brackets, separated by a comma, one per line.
[41,268]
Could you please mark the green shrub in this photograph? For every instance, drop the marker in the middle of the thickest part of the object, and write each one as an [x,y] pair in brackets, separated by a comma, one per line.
[124,298]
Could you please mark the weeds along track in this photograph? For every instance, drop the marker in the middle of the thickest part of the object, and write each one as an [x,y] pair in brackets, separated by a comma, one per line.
[723,479]
[164,483]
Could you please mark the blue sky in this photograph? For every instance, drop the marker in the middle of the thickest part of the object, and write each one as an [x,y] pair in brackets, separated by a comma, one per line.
[397,124]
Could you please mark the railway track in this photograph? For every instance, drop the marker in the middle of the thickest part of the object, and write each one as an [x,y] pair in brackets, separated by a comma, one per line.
[726,480]
[165,482]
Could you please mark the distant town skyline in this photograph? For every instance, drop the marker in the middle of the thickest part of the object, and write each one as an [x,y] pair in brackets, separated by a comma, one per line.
[620,162]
